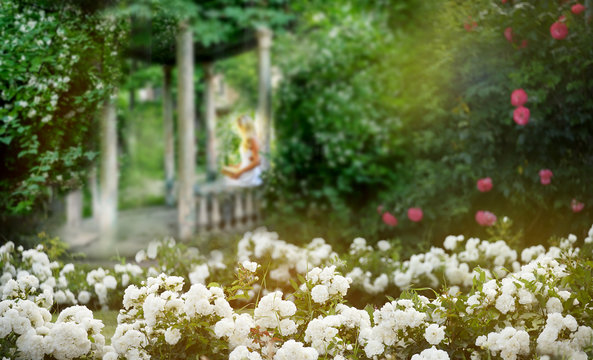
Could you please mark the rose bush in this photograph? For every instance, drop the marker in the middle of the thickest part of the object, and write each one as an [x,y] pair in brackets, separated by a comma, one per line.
[489,301]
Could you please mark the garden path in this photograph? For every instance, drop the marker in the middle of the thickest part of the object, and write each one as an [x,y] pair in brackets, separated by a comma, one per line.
[135,228]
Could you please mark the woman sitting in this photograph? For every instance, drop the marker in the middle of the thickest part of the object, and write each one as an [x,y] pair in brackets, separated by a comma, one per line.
[247,173]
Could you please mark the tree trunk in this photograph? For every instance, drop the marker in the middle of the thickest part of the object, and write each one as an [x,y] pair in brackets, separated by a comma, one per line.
[187,146]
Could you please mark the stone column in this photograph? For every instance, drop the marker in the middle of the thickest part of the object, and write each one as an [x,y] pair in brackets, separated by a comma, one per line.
[210,103]
[95,197]
[74,208]
[169,138]
[264,103]
[109,176]
[186,205]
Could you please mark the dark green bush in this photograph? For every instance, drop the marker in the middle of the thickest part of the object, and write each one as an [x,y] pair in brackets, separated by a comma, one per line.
[428,113]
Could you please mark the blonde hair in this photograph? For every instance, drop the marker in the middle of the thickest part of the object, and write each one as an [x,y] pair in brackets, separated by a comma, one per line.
[246,128]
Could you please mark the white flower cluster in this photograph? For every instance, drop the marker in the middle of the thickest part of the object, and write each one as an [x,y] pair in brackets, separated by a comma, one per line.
[562,336]
[287,258]
[272,312]
[75,333]
[394,325]
[509,342]
[327,283]
[159,310]
[329,334]
[362,255]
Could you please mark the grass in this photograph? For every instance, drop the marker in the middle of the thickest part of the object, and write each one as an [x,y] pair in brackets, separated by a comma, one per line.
[109,318]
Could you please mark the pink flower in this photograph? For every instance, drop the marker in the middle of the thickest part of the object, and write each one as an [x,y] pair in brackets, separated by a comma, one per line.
[485,218]
[562,18]
[577,9]
[545,176]
[415,214]
[521,115]
[485,184]
[508,33]
[380,209]
[389,219]
[470,26]
[558,30]
[518,97]
[576,206]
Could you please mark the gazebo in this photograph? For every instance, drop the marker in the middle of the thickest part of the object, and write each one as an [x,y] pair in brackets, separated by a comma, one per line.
[178,47]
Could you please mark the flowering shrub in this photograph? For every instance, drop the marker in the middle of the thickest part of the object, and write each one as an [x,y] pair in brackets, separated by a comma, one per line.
[447,116]
[489,301]
[26,332]
[58,64]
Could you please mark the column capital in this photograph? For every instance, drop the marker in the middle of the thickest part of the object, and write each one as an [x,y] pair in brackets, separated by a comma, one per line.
[264,37]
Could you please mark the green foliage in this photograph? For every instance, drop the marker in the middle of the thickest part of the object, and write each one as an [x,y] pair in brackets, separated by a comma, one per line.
[337,144]
[424,112]
[56,68]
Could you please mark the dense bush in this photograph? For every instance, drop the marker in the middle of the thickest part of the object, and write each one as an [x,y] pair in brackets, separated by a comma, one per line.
[59,62]
[488,302]
[413,117]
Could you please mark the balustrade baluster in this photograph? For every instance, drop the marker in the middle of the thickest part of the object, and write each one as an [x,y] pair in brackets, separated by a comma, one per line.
[203,213]
[215,216]
[239,211]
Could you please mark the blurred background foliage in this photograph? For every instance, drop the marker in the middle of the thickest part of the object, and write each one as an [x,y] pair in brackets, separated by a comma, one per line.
[408,105]
[398,103]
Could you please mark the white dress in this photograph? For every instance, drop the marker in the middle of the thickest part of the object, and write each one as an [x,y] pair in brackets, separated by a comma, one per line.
[248,178]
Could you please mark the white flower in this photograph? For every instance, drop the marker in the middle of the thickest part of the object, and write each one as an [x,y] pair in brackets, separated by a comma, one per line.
[199,274]
[554,305]
[431,354]
[172,336]
[68,340]
[152,250]
[383,245]
[140,256]
[84,297]
[250,266]
[320,294]
[243,353]
[434,334]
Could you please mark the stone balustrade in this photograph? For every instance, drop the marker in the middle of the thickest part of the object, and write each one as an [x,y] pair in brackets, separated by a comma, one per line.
[227,209]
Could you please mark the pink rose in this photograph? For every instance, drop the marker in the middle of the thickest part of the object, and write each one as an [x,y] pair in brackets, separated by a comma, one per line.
[521,115]
[545,176]
[558,30]
[470,26]
[380,209]
[518,97]
[577,9]
[508,33]
[389,219]
[415,214]
[576,206]
[485,218]
[485,184]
